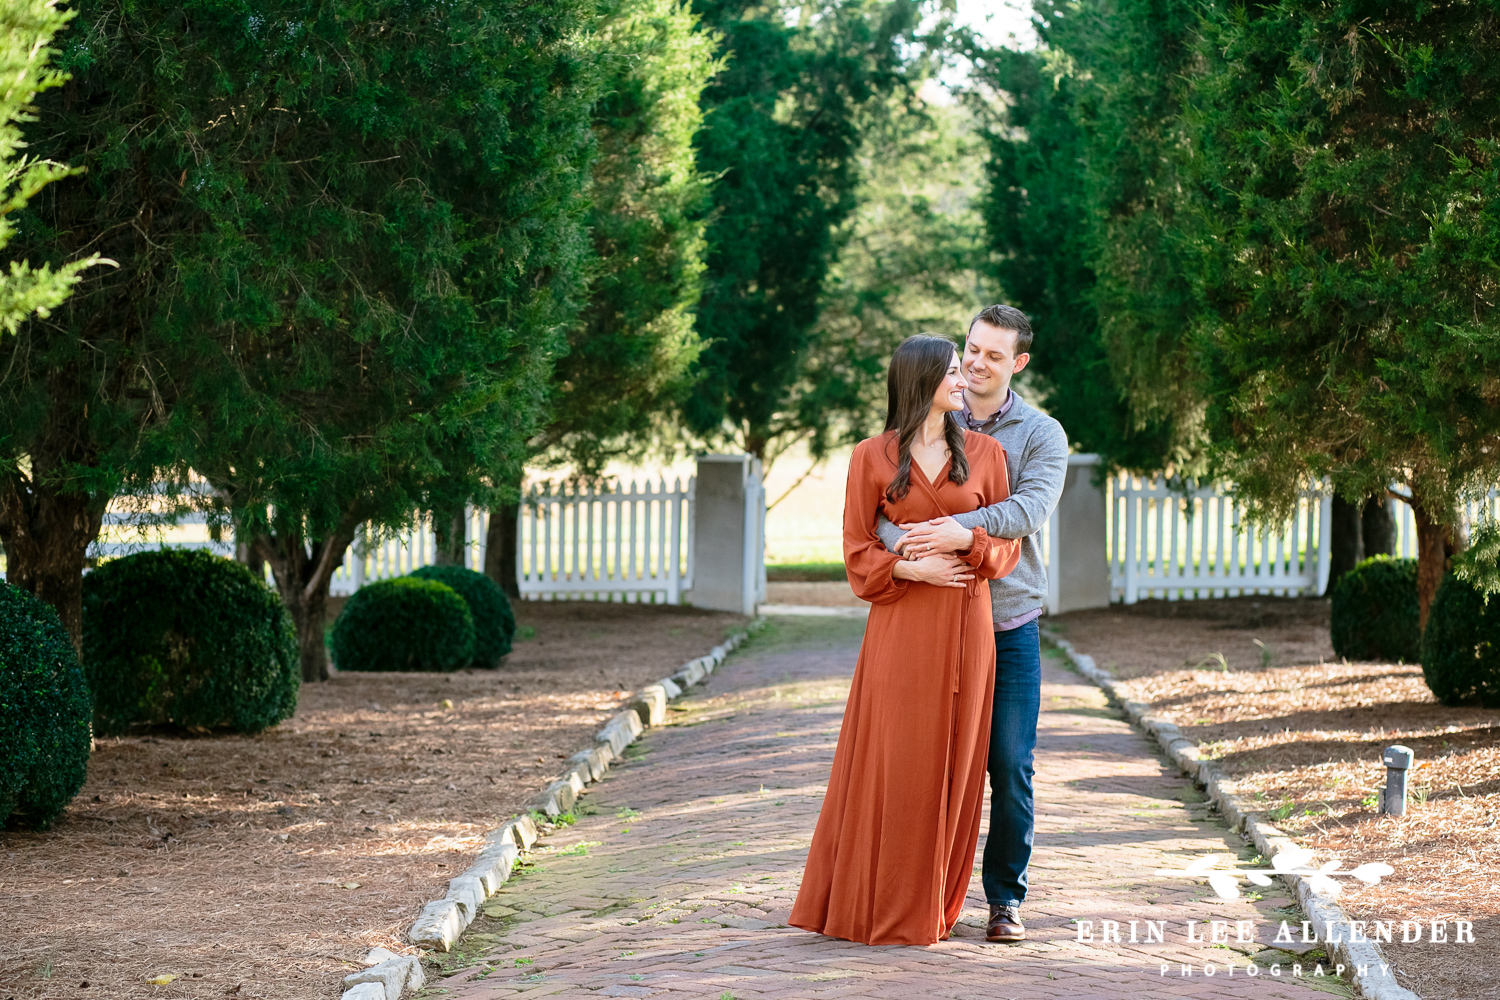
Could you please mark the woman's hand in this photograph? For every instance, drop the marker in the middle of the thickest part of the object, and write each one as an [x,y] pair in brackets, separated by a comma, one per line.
[941,534]
[939,570]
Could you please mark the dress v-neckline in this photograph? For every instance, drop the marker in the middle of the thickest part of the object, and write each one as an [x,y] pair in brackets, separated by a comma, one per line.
[942,472]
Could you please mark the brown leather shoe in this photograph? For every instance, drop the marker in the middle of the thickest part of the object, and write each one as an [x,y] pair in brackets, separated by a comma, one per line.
[1005,925]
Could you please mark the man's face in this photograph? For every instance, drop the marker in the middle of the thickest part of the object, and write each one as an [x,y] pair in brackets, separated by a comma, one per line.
[990,359]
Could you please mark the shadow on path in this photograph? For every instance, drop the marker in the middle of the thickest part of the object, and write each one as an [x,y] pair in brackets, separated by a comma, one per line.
[677,879]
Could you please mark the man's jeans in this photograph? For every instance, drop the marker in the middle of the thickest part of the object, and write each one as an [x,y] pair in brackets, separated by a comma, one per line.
[1018,699]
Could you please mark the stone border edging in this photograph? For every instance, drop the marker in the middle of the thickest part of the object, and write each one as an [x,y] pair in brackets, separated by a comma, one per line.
[443,921]
[1362,957]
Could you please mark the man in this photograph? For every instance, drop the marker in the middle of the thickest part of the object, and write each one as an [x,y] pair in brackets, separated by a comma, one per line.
[1036,450]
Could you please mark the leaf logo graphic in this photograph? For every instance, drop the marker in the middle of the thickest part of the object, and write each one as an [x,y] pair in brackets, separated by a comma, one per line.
[1297,861]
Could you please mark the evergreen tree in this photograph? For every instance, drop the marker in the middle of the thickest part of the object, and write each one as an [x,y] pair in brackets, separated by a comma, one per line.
[629,355]
[26,31]
[350,238]
[784,131]
[908,261]
[1289,214]
[27,28]
[1077,183]
[1343,166]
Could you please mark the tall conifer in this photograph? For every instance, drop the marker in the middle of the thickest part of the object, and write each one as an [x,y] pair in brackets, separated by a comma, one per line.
[349,239]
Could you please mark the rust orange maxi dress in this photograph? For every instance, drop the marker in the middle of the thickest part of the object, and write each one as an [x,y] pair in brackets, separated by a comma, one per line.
[894,846]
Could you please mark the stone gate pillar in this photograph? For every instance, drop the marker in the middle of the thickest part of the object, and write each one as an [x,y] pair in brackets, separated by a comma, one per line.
[728,534]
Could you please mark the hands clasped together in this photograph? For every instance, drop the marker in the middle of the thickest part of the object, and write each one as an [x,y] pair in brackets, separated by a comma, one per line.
[929,549]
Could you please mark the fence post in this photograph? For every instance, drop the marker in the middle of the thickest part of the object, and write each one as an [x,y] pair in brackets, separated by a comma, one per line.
[358,569]
[1078,574]
[1132,521]
[1325,536]
[755,538]
[674,558]
[1052,560]
[728,510]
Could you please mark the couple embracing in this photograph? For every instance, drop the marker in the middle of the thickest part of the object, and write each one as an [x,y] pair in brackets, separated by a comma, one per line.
[939,525]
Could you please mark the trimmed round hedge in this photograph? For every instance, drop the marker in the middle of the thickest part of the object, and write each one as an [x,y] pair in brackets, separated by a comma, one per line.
[1374,614]
[1461,646]
[44,712]
[494,621]
[404,624]
[184,637]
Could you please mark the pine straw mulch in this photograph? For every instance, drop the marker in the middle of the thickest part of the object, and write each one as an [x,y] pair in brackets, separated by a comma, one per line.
[1303,733]
[267,866]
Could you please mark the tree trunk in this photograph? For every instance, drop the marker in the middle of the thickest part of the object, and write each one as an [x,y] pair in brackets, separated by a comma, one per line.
[1435,549]
[756,442]
[47,535]
[500,549]
[1378,527]
[302,575]
[1345,548]
[451,533]
[251,556]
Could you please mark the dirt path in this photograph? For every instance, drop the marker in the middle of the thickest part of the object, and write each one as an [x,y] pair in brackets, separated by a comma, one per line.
[680,876]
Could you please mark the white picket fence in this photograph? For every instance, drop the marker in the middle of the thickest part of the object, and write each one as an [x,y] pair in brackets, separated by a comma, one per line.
[1406,522]
[382,556]
[119,536]
[1196,543]
[635,543]
[631,544]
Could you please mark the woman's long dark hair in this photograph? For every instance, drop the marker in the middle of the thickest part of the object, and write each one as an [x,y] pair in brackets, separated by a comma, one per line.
[917,369]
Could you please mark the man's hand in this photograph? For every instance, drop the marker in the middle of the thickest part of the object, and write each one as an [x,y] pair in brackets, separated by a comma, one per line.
[941,534]
[939,570]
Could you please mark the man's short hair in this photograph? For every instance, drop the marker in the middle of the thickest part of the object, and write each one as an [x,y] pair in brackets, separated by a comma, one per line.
[1007,318]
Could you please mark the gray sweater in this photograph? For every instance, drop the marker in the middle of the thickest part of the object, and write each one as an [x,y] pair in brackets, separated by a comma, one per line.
[1036,456]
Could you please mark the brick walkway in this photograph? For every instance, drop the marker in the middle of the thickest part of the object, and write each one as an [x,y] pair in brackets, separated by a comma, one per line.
[678,879]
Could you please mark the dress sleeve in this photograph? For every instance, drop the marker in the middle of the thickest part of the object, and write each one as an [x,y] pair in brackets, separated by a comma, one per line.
[991,557]
[866,559]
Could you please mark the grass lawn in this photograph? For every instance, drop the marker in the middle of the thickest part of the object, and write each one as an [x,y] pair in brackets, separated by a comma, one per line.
[805,572]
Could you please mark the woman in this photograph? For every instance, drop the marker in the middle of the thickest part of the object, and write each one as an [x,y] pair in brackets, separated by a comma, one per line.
[891,856]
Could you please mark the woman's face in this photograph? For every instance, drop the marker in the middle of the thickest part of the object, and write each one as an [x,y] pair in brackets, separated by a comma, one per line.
[950,395]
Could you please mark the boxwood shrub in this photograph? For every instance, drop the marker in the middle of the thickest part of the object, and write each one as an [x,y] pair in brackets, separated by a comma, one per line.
[404,624]
[44,712]
[494,621]
[1374,615]
[1461,646]
[187,638]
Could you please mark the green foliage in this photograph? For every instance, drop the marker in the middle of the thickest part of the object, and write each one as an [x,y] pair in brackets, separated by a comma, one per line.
[404,624]
[1078,173]
[1049,237]
[26,31]
[783,134]
[184,637]
[630,353]
[31,519]
[1342,164]
[494,620]
[1461,646]
[44,712]
[1288,221]
[1479,564]
[350,238]
[1374,613]
[907,263]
